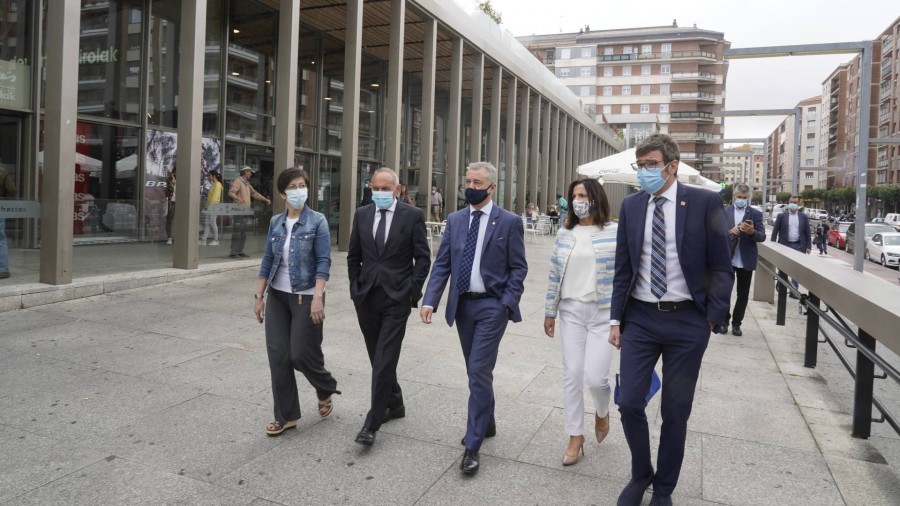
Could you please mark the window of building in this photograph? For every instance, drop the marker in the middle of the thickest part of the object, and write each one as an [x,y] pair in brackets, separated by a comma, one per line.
[626,90]
[646,48]
[607,50]
[809,175]
[811,109]
[607,109]
[626,50]
[645,108]
[810,149]
[810,123]
[645,89]
[810,162]
[607,91]
[665,69]
[645,70]
[565,53]
[585,91]
[664,108]
[585,52]
[810,136]
[663,89]
[565,72]
[626,109]
[607,71]
[666,48]
[584,71]
[626,70]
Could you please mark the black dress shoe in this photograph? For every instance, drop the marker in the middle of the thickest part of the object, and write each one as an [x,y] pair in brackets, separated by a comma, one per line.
[394,413]
[633,493]
[736,330]
[366,437]
[660,500]
[469,464]
[491,432]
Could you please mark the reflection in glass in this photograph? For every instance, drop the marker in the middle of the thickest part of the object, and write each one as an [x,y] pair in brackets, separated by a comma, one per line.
[162,73]
[15,54]
[251,70]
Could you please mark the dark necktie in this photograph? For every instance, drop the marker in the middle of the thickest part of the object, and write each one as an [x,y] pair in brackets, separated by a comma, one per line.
[465,270]
[379,232]
[658,253]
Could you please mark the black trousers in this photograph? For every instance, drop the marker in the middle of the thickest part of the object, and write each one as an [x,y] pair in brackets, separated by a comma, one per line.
[170,216]
[294,342]
[382,321]
[238,234]
[742,277]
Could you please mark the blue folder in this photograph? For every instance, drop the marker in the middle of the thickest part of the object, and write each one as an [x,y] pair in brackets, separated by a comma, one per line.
[655,384]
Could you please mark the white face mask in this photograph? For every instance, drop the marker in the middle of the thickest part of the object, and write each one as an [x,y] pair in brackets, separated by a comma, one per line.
[296,198]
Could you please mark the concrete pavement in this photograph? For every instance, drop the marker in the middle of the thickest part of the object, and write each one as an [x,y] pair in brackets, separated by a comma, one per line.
[160,395]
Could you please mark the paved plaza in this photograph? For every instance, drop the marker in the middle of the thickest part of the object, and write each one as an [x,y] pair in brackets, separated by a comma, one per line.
[160,395]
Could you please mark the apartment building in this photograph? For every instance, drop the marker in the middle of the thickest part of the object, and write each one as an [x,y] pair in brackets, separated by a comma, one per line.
[782,149]
[740,164]
[639,81]
[887,158]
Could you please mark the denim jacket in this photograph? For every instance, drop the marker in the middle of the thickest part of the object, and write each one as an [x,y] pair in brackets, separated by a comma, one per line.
[310,253]
[604,242]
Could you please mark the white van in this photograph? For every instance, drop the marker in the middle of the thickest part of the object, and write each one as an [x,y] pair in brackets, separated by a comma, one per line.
[776,210]
[893,219]
[816,214]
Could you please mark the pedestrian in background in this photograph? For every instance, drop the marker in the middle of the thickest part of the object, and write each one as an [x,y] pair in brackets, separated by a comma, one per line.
[213,197]
[170,208]
[746,228]
[295,266]
[7,191]
[579,295]
[241,192]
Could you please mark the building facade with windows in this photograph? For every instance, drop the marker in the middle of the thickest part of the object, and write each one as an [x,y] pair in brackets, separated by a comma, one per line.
[133,89]
[812,173]
[640,81]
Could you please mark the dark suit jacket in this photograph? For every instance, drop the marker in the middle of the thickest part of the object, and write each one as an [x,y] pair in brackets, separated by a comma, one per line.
[747,243]
[503,265]
[703,251]
[780,230]
[403,265]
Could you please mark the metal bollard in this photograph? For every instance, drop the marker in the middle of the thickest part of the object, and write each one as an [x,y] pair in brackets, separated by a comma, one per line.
[862,395]
[782,299]
[812,332]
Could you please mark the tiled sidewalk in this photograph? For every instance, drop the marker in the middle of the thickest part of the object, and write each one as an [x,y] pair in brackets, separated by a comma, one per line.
[160,395]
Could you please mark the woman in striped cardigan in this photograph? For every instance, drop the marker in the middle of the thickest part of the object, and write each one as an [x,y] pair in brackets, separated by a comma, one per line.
[579,293]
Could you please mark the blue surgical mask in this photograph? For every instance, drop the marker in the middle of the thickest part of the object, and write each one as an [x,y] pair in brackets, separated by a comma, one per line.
[383,199]
[651,180]
[581,208]
[740,203]
[792,207]
[296,198]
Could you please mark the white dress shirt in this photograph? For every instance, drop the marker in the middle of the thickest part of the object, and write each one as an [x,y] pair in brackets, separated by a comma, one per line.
[282,279]
[389,216]
[736,260]
[677,289]
[476,284]
[793,227]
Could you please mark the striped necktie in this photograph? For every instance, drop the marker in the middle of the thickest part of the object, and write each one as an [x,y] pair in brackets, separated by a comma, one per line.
[465,269]
[658,253]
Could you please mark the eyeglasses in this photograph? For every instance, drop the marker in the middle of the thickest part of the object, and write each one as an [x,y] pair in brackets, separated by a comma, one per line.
[649,165]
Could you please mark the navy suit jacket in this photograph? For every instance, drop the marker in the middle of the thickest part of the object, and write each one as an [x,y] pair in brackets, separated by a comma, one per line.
[503,265]
[703,251]
[747,243]
[780,230]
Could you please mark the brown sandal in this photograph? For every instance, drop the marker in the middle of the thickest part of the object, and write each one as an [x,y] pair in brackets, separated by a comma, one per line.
[276,428]
[326,407]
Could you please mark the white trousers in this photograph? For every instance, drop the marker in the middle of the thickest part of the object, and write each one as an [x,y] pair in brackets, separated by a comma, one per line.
[210,226]
[584,334]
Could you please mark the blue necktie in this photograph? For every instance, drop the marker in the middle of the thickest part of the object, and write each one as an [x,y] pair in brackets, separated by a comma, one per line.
[658,253]
[465,270]
[379,232]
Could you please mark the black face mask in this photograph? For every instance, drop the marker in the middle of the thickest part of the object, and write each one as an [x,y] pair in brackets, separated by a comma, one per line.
[474,196]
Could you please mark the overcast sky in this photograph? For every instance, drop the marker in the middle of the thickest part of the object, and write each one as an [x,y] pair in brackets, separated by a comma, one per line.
[772,83]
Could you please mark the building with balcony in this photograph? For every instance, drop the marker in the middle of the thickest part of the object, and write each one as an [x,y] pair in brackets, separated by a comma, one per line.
[783,149]
[740,164]
[639,81]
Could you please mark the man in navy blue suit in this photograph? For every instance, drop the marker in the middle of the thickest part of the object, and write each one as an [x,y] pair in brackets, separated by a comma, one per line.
[671,288]
[791,229]
[745,225]
[482,253]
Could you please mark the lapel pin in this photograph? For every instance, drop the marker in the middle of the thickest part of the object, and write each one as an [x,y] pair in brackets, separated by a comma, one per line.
[683,203]
[493,223]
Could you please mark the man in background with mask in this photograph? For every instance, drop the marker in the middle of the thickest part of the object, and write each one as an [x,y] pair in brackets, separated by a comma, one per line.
[745,229]
[388,261]
[482,254]
[671,289]
[791,229]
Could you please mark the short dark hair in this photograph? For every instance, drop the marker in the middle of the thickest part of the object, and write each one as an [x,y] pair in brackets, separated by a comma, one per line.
[794,197]
[599,207]
[285,178]
[658,142]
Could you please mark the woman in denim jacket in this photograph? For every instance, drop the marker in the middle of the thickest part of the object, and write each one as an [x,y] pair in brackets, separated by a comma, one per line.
[295,267]
[579,293]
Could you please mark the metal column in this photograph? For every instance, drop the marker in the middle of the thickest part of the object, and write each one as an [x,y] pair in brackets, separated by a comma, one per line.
[429,70]
[509,155]
[285,92]
[534,166]
[862,153]
[795,159]
[523,175]
[394,100]
[454,125]
[493,147]
[554,157]
[61,64]
[477,107]
[350,121]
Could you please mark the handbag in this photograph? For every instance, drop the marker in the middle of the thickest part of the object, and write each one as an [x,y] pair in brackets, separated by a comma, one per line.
[655,385]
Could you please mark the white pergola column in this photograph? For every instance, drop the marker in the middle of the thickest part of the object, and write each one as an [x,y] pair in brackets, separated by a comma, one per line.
[563,167]
[285,92]
[510,167]
[496,113]
[394,99]
[545,156]
[429,73]
[454,125]
[534,167]
[552,190]
[522,173]
[350,120]
[477,107]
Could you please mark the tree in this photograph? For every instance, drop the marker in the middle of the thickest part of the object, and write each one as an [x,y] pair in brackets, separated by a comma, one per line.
[488,9]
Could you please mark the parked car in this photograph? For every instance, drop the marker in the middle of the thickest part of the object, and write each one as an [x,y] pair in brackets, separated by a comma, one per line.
[893,219]
[885,249]
[837,235]
[870,230]
[773,214]
[816,214]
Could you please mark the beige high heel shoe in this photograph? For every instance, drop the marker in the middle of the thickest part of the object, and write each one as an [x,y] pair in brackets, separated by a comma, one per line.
[576,444]
[601,427]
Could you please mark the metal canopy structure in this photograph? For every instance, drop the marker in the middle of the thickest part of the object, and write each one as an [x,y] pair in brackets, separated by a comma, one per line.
[864,48]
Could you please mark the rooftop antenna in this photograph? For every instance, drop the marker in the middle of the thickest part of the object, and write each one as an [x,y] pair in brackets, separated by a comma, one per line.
[675,23]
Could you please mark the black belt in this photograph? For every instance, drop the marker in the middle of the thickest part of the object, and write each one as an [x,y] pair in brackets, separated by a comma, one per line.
[474,295]
[666,305]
